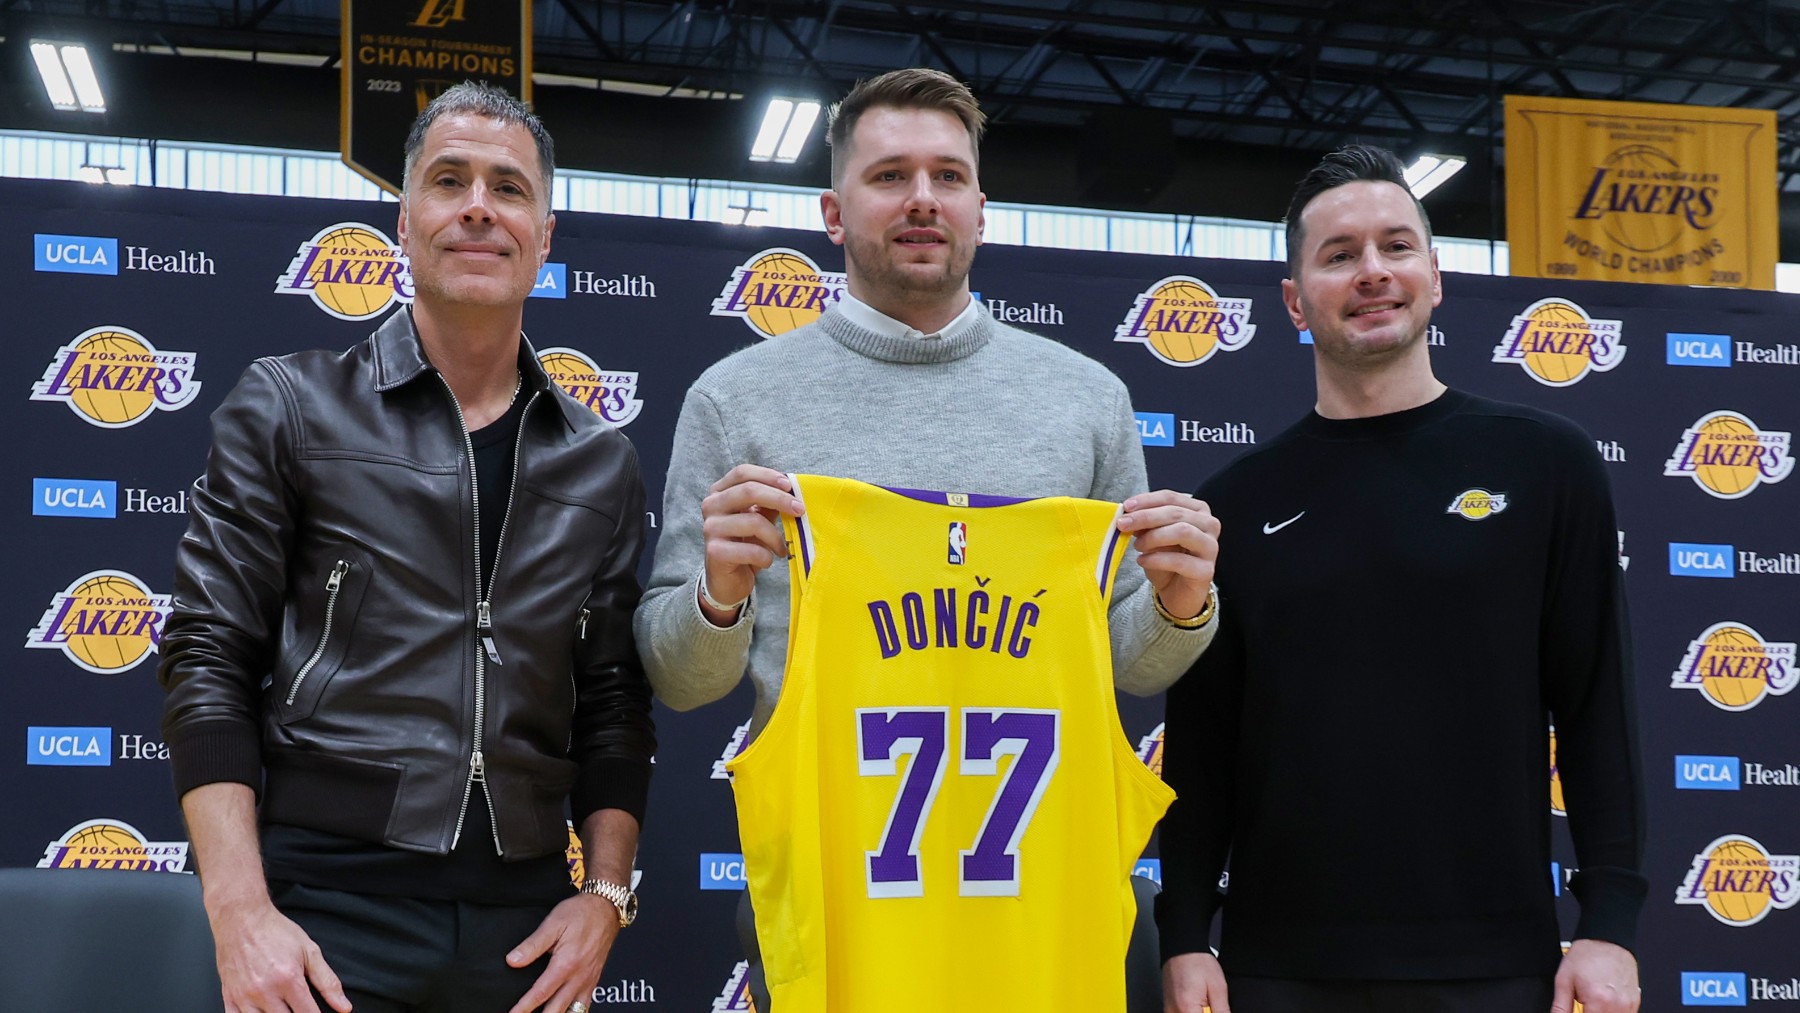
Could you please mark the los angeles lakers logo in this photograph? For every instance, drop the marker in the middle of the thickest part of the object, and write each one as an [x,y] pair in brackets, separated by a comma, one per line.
[610,394]
[732,748]
[1645,201]
[1558,344]
[1150,750]
[735,996]
[439,13]
[1735,668]
[1726,455]
[113,377]
[113,844]
[1184,322]
[1556,789]
[106,621]
[350,270]
[778,290]
[1477,504]
[1739,882]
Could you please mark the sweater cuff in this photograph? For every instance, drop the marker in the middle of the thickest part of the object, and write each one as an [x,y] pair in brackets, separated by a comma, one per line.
[1184,925]
[207,752]
[1610,901]
[611,782]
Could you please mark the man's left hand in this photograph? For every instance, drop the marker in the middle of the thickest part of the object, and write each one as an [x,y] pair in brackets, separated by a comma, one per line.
[578,934]
[1602,976]
[1177,543]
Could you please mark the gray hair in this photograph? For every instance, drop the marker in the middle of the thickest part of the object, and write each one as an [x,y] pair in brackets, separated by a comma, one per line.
[485,100]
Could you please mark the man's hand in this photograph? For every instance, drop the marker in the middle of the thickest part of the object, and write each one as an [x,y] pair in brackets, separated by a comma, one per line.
[578,934]
[742,536]
[1193,982]
[1602,976]
[1178,544]
[265,962]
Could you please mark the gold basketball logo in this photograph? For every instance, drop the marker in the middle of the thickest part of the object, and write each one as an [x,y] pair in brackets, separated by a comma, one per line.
[1477,504]
[1739,882]
[350,270]
[1558,344]
[113,844]
[1184,322]
[777,290]
[1728,456]
[1735,668]
[113,377]
[106,622]
[1556,790]
[610,394]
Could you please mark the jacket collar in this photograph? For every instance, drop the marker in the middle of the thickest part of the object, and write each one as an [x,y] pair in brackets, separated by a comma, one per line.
[400,359]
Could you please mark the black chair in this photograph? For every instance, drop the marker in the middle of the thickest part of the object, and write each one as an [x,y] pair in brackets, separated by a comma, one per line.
[1143,958]
[76,939]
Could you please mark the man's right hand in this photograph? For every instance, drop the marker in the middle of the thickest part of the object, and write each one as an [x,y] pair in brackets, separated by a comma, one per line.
[265,962]
[742,536]
[1193,982]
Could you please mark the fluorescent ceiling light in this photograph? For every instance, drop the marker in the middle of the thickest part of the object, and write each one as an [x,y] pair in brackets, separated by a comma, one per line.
[68,76]
[786,125]
[1432,171]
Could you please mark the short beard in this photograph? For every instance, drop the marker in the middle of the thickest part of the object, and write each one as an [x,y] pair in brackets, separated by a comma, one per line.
[880,274]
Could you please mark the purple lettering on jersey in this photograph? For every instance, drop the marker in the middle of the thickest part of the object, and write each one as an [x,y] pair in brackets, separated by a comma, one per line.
[991,867]
[913,608]
[885,634]
[883,736]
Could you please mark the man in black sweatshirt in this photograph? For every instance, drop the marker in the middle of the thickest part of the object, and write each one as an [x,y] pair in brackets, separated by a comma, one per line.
[1420,581]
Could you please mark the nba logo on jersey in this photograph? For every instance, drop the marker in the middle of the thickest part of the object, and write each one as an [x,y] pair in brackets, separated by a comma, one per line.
[959,541]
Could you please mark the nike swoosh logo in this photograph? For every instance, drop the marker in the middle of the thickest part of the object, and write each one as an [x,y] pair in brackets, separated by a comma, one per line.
[1269,529]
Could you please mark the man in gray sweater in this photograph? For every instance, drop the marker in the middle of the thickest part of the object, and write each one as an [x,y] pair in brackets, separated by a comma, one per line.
[908,382]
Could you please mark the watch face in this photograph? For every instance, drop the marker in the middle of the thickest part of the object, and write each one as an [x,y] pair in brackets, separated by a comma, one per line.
[629,912]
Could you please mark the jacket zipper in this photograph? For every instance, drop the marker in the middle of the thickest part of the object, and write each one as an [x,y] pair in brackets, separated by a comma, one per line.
[484,622]
[332,584]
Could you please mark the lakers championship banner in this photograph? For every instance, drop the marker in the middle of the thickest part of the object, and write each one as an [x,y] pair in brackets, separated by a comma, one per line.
[400,54]
[136,311]
[1635,191]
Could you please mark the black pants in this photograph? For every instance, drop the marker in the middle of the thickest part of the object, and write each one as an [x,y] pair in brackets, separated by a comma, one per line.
[1485,995]
[398,955]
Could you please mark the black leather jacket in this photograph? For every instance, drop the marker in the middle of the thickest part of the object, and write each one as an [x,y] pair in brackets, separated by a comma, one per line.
[329,643]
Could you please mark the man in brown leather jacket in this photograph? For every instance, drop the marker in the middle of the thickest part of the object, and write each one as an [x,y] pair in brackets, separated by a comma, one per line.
[401,645]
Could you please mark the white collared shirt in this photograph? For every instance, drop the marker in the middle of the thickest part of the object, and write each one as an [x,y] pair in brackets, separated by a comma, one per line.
[871,319]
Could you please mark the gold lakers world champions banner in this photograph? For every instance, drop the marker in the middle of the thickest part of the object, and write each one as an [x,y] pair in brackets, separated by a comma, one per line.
[400,54]
[1634,191]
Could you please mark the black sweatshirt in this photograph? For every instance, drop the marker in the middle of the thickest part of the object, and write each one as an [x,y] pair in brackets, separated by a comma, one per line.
[1403,598]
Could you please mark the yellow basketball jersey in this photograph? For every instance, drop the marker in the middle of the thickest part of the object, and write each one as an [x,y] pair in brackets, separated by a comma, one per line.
[943,812]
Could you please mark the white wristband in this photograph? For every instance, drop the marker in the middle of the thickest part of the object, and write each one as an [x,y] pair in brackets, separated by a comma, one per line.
[707,597]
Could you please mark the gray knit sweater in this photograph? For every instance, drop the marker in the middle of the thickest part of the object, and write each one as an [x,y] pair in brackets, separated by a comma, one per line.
[985,408]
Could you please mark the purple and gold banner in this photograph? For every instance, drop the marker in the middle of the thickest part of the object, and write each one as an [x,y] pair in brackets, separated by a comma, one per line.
[400,54]
[1634,191]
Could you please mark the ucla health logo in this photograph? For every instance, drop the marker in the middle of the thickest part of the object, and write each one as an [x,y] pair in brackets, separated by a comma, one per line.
[1699,350]
[113,377]
[106,621]
[74,497]
[350,270]
[1156,429]
[75,254]
[1558,344]
[778,290]
[1728,456]
[552,282]
[1708,773]
[1734,668]
[113,844]
[732,748]
[1702,559]
[1150,750]
[1713,988]
[610,394]
[1738,882]
[1184,322]
[51,746]
[722,871]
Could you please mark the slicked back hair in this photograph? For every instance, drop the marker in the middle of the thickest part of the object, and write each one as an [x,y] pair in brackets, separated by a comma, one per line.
[1352,163]
[485,100]
[912,88]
